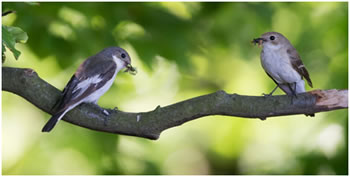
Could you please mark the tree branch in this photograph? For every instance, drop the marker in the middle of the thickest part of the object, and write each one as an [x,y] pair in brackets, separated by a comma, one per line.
[27,84]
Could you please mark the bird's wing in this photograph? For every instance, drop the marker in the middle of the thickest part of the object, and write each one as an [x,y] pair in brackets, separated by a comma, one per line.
[283,87]
[271,77]
[298,64]
[65,96]
[82,85]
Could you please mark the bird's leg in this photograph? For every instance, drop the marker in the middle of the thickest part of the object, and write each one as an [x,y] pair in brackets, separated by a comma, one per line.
[294,93]
[271,91]
[104,111]
[295,90]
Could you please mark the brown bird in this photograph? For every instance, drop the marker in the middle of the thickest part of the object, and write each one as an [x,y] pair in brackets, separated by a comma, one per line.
[282,63]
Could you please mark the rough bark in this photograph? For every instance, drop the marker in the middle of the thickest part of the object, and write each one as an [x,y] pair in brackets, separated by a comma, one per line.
[27,84]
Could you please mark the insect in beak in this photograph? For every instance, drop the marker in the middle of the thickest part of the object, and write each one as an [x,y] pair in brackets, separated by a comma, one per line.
[258,41]
[130,69]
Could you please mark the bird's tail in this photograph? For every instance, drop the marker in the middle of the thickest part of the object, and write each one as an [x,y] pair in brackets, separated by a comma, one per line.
[299,88]
[53,121]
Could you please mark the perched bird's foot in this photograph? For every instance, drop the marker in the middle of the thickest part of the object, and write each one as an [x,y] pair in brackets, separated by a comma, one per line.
[106,117]
[294,96]
[105,112]
[310,115]
[270,94]
[262,118]
[267,95]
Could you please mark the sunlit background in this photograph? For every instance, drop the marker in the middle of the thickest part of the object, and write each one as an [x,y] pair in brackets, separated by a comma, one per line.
[181,50]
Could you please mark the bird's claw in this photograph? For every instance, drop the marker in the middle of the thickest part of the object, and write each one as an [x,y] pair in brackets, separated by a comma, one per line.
[106,116]
[105,112]
[262,118]
[266,95]
[294,96]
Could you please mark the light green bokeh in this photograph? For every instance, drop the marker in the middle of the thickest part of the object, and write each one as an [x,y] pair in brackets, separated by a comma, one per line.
[221,59]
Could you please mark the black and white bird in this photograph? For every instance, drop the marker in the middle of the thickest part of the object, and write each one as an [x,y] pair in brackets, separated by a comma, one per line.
[91,80]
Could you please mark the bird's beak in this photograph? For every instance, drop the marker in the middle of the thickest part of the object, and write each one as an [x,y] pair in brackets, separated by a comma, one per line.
[130,69]
[259,41]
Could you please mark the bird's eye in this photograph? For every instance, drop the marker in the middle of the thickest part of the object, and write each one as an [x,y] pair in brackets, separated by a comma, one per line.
[272,38]
[123,55]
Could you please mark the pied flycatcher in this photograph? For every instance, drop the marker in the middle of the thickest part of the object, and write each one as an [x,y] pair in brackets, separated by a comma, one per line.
[282,63]
[91,80]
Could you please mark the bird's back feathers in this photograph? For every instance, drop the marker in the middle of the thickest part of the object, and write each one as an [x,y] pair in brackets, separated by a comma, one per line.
[79,87]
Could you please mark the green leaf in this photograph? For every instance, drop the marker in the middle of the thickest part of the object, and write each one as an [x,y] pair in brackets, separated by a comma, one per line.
[11,36]
[18,33]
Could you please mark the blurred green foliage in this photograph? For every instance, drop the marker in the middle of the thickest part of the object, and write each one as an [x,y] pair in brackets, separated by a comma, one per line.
[181,50]
[10,36]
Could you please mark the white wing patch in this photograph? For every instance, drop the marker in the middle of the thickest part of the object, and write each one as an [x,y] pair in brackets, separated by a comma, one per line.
[83,85]
[98,93]
[93,97]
